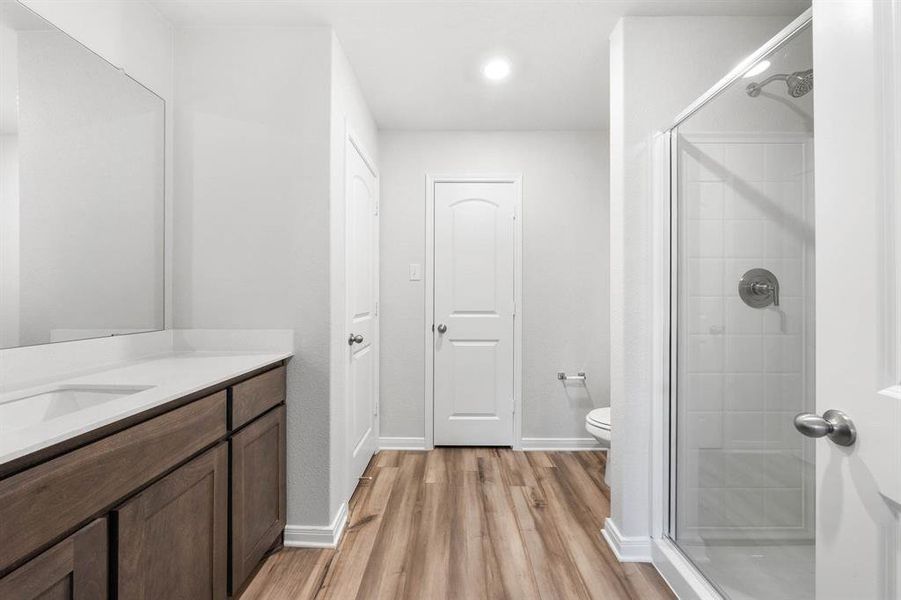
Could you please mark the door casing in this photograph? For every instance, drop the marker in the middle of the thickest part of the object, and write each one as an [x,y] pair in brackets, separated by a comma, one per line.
[429,280]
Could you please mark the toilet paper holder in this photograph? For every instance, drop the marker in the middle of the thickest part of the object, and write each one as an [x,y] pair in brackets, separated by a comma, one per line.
[580,376]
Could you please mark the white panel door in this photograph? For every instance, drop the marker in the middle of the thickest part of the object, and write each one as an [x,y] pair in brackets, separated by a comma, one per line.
[858,330]
[473,304]
[361,194]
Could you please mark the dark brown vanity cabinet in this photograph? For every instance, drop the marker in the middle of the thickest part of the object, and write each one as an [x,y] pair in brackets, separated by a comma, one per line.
[258,492]
[173,536]
[182,502]
[73,569]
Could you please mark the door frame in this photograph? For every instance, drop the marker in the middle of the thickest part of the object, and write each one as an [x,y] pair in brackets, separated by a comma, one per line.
[429,314]
[353,143]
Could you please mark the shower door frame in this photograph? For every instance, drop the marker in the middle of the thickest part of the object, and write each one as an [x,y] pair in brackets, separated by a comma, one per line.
[682,575]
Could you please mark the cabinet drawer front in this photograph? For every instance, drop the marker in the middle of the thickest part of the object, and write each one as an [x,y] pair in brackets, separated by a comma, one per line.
[75,568]
[42,503]
[255,396]
[258,492]
[173,539]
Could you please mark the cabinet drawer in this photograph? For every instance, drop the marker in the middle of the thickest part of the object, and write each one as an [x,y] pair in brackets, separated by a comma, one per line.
[255,396]
[46,501]
[258,492]
[75,568]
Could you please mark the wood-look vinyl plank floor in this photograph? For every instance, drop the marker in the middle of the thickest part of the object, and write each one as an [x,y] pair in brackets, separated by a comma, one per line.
[467,524]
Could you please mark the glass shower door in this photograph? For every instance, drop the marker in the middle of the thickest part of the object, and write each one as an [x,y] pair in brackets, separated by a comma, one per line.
[743,495]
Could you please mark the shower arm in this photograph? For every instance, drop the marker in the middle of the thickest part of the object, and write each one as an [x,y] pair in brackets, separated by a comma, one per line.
[771,79]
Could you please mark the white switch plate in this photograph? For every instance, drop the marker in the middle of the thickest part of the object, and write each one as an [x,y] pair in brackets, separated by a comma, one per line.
[415,272]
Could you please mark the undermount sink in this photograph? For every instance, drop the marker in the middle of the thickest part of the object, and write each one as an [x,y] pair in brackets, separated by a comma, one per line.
[22,413]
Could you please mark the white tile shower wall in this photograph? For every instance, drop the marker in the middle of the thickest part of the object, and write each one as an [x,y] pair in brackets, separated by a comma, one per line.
[746,371]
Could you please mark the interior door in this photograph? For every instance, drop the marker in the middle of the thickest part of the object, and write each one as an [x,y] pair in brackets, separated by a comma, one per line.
[858,182]
[473,313]
[362,228]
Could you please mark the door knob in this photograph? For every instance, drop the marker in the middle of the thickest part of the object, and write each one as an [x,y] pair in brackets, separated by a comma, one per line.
[354,339]
[442,328]
[834,423]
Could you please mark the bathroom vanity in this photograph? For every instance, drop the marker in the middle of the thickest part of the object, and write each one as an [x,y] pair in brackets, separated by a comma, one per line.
[176,490]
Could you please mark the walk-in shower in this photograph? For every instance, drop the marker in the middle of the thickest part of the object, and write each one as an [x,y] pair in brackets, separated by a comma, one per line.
[741,489]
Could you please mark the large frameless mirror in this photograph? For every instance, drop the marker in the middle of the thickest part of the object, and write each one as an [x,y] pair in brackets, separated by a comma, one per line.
[81,190]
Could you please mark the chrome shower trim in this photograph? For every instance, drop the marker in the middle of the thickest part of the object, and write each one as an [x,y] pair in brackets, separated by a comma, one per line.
[798,83]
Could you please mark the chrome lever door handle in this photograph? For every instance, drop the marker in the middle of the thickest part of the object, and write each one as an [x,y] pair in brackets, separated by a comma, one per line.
[834,424]
[354,339]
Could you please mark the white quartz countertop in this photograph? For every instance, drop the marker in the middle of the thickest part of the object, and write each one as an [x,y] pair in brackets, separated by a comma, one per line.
[172,376]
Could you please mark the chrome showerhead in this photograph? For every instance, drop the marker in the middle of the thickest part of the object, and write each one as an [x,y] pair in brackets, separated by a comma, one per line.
[799,83]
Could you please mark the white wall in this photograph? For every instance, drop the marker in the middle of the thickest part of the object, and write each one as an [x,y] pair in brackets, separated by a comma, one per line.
[260,220]
[252,215]
[659,65]
[565,257]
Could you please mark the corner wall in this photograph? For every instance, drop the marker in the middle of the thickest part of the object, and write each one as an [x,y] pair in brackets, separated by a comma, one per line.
[260,223]
[658,66]
[252,176]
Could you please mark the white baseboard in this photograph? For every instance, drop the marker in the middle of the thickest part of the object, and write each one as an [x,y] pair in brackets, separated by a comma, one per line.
[561,444]
[317,536]
[402,443]
[626,549]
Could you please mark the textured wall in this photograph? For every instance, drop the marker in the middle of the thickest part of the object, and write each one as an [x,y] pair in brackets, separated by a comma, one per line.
[565,259]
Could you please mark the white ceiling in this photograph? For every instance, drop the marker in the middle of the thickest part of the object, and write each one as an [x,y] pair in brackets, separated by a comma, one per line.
[418,62]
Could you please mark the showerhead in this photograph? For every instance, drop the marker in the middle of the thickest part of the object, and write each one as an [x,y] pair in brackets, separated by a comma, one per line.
[799,83]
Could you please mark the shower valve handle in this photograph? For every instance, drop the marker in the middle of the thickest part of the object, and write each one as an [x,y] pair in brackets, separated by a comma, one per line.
[834,423]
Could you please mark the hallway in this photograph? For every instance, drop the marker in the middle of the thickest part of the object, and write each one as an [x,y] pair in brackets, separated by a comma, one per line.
[468,523]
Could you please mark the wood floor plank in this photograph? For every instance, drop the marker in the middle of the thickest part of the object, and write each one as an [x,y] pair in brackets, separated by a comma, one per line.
[391,556]
[468,524]
[359,537]
[291,573]
[556,575]
[506,540]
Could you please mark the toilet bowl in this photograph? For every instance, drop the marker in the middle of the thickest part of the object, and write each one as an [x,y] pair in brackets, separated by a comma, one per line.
[597,423]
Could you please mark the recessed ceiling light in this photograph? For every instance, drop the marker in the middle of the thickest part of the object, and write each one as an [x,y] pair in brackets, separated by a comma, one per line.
[496,69]
[757,69]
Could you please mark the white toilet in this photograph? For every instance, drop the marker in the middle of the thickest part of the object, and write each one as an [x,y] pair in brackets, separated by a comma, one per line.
[597,423]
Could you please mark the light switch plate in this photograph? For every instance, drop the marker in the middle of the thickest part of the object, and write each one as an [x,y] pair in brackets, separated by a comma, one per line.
[415,272]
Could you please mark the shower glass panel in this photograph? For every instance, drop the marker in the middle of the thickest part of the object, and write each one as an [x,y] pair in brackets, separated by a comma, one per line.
[742,490]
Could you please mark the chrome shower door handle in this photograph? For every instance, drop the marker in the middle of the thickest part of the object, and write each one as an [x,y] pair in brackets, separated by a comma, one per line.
[834,424]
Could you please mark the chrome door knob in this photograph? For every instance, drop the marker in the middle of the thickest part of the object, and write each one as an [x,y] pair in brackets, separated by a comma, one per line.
[834,424]
[354,339]
[442,328]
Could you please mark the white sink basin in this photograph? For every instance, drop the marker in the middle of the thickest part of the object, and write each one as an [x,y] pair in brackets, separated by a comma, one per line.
[22,413]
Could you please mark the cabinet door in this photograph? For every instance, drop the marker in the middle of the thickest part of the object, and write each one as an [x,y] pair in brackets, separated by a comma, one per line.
[172,537]
[258,492]
[74,569]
